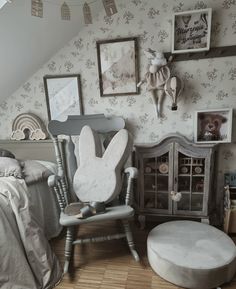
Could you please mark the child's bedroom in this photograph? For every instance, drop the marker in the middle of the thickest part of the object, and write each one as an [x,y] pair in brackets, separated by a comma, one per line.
[118,144]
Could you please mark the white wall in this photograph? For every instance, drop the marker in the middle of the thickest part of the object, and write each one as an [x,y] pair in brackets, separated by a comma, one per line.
[27,42]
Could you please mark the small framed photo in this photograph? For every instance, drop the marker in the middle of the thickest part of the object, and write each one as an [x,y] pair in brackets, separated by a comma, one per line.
[191,31]
[63,95]
[118,66]
[213,126]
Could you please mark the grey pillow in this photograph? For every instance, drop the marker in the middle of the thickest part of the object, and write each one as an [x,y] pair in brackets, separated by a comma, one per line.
[6,153]
[10,167]
[34,171]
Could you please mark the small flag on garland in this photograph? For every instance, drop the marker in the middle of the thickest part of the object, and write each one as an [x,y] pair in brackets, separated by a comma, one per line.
[110,7]
[87,14]
[65,12]
[37,8]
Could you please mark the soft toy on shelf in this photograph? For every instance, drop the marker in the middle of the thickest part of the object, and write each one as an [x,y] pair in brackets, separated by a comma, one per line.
[157,77]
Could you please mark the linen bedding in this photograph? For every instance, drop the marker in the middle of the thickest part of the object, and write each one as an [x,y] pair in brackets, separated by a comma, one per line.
[27,261]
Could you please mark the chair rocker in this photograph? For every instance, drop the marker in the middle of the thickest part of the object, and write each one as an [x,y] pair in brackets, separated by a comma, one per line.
[96,179]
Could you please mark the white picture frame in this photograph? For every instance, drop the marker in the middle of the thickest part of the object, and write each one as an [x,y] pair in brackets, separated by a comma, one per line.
[213,126]
[191,31]
[63,96]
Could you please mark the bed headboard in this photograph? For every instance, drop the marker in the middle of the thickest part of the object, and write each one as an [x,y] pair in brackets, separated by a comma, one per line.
[31,150]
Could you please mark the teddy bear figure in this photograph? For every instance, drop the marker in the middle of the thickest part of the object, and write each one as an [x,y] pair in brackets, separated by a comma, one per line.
[210,125]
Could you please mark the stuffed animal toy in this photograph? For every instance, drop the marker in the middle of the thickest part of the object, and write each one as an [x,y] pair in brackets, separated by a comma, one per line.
[210,125]
[156,77]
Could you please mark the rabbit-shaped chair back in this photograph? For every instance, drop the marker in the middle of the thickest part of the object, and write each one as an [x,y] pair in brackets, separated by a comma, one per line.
[98,176]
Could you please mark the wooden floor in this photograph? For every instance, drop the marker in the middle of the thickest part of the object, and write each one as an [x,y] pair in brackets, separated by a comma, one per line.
[109,265]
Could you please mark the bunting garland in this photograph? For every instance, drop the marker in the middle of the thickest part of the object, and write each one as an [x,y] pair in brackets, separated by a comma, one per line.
[87,14]
[37,9]
[110,7]
[65,12]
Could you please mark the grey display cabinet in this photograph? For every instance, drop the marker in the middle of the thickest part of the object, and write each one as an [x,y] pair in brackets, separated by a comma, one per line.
[175,179]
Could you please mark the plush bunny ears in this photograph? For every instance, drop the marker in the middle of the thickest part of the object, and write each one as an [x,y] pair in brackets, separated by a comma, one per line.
[117,151]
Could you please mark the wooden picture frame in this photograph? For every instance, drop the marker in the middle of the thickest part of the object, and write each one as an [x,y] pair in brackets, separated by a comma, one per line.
[213,126]
[63,95]
[118,66]
[191,31]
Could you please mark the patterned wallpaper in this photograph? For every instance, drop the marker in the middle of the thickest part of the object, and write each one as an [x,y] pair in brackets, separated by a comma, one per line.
[209,83]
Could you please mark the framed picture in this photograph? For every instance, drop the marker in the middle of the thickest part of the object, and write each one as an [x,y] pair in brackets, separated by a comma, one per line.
[118,66]
[213,126]
[63,95]
[191,31]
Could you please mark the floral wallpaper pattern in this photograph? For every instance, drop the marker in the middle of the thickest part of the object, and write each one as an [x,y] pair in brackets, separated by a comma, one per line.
[209,83]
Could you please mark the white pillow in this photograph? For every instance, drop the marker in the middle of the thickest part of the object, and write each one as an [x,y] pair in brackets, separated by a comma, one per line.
[10,167]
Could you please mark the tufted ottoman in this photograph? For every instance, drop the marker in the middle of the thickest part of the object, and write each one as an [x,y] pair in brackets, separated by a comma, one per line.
[191,254]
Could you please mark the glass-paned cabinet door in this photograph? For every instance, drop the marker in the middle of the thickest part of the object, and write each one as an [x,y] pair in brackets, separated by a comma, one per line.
[156,182]
[189,183]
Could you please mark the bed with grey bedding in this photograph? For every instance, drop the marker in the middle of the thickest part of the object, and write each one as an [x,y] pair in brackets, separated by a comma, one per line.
[28,218]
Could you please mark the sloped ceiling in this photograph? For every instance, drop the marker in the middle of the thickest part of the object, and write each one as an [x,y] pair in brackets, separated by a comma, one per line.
[27,42]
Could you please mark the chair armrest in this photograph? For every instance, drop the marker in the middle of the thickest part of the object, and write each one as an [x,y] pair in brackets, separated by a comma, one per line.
[53,180]
[132,171]
[132,174]
[57,184]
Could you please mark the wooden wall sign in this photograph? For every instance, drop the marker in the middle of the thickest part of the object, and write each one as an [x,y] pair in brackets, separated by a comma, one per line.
[37,8]
[87,14]
[65,12]
[110,7]
[214,52]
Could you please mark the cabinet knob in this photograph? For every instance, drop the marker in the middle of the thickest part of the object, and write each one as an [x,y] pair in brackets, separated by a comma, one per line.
[176,196]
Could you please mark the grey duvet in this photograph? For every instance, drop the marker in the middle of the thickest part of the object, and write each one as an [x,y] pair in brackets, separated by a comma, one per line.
[26,259]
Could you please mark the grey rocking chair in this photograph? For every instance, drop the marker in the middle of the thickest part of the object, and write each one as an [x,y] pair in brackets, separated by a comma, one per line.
[91,176]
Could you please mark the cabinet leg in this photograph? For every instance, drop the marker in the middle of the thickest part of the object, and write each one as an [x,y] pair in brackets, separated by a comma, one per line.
[205,221]
[142,221]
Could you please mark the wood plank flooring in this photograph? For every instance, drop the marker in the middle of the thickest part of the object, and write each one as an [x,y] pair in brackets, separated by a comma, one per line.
[109,265]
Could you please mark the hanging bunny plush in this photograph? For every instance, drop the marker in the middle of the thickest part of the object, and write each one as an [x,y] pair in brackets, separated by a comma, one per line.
[99,175]
[156,77]
[159,81]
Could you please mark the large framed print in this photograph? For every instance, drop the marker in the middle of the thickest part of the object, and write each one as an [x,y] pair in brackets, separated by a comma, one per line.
[63,95]
[191,31]
[213,126]
[118,66]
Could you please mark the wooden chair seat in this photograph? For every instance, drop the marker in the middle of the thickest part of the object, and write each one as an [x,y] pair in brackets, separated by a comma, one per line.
[111,213]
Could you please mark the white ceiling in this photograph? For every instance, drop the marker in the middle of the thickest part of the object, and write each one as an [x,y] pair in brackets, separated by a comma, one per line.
[27,42]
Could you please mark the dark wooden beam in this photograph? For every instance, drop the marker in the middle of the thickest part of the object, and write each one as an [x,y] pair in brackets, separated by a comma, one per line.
[212,53]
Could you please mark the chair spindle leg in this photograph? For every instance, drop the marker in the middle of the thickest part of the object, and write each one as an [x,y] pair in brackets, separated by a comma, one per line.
[129,238]
[68,247]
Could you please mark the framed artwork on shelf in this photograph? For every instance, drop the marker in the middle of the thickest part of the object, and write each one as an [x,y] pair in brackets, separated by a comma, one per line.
[213,126]
[191,31]
[118,66]
[63,95]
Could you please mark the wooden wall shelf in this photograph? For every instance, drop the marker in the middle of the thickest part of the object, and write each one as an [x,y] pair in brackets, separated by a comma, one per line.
[223,51]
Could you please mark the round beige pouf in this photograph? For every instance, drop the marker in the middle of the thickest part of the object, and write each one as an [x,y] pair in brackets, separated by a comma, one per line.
[191,254]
